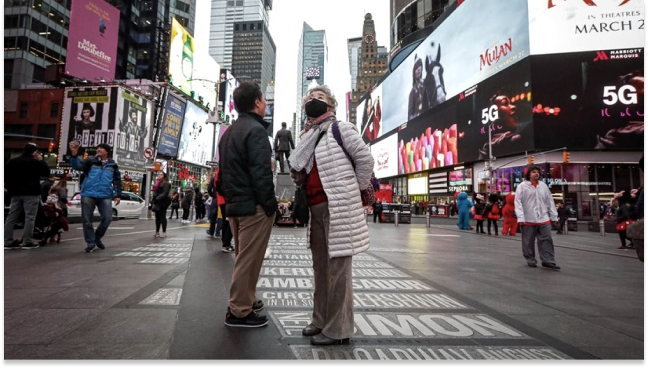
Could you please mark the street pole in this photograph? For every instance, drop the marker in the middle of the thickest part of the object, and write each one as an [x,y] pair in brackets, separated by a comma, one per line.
[490,159]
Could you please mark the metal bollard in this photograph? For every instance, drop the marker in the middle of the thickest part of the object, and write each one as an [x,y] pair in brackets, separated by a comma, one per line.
[566,229]
[427,220]
[602,227]
[396,218]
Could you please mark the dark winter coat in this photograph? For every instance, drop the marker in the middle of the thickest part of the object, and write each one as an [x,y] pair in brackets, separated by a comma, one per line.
[245,178]
[22,175]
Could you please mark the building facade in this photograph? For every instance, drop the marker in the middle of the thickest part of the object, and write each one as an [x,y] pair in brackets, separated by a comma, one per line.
[253,53]
[224,13]
[312,57]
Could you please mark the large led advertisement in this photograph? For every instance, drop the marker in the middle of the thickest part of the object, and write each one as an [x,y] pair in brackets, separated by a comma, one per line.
[370,116]
[92,40]
[503,103]
[191,68]
[589,100]
[89,116]
[228,97]
[171,125]
[385,154]
[457,55]
[557,26]
[197,139]
[133,130]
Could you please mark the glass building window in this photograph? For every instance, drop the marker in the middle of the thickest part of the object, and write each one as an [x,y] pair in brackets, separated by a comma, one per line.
[23,109]
[54,110]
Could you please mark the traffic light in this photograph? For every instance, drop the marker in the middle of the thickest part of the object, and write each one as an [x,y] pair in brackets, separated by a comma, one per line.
[50,148]
[530,160]
[565,157]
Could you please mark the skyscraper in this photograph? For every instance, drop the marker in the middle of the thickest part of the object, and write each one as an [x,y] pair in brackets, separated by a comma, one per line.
[253,53]
[224,13]
[312,60]
[372,65]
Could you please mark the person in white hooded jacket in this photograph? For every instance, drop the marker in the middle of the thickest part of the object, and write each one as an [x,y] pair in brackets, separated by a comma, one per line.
[535,209]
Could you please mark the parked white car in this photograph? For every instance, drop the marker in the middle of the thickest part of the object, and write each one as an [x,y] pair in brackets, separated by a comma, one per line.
[130,205]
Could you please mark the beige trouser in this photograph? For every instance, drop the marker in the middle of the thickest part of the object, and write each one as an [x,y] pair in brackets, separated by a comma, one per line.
[333,297]
[251,235]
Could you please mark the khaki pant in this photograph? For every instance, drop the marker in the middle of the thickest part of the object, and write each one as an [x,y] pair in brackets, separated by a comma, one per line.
[251,235]
[333,297]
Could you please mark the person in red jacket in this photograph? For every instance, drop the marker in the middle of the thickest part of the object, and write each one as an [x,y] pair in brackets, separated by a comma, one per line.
[510,221]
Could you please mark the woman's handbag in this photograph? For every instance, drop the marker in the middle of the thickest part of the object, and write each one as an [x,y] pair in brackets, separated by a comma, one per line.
[621,226]
[368,195]
[302,213]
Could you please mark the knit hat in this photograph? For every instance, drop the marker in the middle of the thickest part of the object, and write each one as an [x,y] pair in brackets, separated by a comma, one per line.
[105,146]
[30,148]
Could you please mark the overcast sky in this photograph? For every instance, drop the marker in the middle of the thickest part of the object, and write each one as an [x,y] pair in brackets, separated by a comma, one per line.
[341,19]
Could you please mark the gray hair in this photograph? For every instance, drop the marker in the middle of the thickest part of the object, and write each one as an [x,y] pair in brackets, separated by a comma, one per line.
[327,91]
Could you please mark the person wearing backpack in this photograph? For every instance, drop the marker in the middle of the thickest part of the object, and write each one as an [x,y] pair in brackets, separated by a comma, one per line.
[492,212]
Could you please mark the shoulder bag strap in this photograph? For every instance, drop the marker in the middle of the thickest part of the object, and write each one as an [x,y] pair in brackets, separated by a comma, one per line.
[338,138]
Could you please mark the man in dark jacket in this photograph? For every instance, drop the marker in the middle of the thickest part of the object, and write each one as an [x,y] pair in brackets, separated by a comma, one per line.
[22,181]
[283,144]
[245,181]
[101,186]
[46,185]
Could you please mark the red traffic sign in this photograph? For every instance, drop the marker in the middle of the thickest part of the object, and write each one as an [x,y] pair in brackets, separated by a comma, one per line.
[148,153]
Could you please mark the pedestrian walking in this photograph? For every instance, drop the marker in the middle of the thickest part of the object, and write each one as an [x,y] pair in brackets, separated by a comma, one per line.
[377,211]
[478,211]
[334,163]
[22,181]
[101,186]
[563,214]
[175,204]
[535,209]
[199,205]
[626,214]
[186,202]
[245,181]
[46,185]
[161,202]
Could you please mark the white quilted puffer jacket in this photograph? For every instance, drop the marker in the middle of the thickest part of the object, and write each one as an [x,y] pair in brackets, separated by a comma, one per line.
[348,231]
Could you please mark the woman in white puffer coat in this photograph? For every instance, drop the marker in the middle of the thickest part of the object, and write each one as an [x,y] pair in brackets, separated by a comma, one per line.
[338,227]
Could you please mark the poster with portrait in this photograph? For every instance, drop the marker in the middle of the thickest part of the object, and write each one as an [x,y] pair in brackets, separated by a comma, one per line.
[459,53]
[133,130]
[89,115]
[594,99]
[371,118]
[197,138]
[503,103]
[429,141]
[171,126]
[385,154]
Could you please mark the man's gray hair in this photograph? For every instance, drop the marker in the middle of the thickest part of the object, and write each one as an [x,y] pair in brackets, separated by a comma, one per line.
[327,91]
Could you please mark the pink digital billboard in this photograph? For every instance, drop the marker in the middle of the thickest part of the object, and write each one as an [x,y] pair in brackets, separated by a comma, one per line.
[92,40]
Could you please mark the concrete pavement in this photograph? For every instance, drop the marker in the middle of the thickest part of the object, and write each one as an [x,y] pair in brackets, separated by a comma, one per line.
[420,293]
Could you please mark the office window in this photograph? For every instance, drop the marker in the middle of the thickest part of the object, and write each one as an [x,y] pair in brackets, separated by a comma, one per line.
[54,110]
[46,130]
[23,109]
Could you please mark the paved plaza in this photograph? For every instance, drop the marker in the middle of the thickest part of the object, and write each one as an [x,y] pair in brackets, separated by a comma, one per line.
[420,293]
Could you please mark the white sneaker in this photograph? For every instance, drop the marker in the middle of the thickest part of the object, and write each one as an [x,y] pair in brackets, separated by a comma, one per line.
[163,235]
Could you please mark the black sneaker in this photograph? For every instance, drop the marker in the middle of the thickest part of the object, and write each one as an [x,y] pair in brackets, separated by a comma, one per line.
[257,306]
[210,234]
[30,245]
[550,266]
[99,244]
[14,245]
[89,248]
[229,249]
[251,320]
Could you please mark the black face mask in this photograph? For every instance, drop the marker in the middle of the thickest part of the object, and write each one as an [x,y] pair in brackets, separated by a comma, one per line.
[315,108]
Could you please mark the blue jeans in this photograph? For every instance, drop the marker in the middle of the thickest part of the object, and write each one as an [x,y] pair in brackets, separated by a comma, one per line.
[87,210]
[29,204]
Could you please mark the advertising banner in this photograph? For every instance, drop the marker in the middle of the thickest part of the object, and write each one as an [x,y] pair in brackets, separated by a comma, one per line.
[385,154]
[92,40]
[191,68]
[228,99]
[197,139]
[89,117]
[171,125]
[371,116]
[502,102]
[594,99]
[557,26]
[429,141]
[133,130]
[458,54]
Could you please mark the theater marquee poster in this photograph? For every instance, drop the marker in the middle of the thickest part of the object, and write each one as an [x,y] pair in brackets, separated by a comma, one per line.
[133,130]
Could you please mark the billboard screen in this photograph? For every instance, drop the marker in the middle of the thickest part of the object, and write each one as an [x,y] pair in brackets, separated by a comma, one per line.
[385,154]
[503,102]
[171,125]
[197,139]
[312,72]
[191,68]
[133,130]
[229,111]
[92,40]
[371,116]
[89,116]
[557,26]
[438,69]
[594,99]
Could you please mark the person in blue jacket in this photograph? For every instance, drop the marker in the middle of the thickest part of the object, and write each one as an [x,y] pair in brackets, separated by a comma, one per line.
[463,206]
[102,185]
